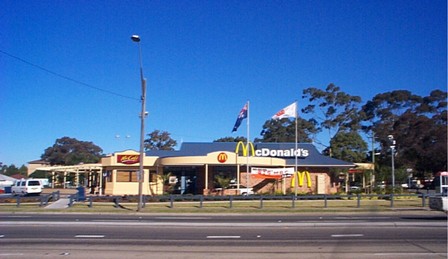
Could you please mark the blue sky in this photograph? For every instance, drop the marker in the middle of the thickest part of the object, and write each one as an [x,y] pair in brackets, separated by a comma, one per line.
[203,60]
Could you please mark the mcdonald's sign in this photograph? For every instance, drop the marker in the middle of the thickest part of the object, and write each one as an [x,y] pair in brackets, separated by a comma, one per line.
[245,148]
[301,178]
[128,159]
[222,157]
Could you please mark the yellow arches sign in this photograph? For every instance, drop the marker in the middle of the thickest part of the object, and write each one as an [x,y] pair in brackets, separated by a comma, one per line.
[248,149]
[245,148]
[301,177]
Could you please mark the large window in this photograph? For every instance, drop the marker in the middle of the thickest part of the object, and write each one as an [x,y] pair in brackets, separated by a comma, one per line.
[127,176]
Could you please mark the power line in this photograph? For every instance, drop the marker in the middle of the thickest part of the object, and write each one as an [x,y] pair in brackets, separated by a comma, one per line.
[66,77]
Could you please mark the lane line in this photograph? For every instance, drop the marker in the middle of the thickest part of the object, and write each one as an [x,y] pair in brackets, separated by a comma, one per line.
[348,235]
[223,237]
[1,236]
[90,236]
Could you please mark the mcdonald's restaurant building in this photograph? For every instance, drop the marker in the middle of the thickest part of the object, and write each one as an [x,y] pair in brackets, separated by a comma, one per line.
[195,168]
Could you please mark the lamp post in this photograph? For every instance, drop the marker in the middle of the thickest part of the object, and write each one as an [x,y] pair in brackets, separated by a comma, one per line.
[392,150]
[141,173]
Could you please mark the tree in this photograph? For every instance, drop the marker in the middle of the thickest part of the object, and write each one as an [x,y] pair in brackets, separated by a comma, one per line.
[349,146]
[231,139]
[418,126]
[13,170]
[70,151]
[334,111]
[222,182]
[283,130]
[159,141]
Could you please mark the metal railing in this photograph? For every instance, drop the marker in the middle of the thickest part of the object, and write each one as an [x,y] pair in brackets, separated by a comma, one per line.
[172,200]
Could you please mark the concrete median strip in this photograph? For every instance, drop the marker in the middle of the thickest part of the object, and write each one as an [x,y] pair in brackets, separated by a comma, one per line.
[59,204]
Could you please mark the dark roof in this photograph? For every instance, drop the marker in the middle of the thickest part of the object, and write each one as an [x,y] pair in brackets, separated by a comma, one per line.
[314,159]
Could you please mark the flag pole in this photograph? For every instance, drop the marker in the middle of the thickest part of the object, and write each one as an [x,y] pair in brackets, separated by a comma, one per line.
[295,156]
[247,145]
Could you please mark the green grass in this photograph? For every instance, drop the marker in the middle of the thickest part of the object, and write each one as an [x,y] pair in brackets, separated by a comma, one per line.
[219,207]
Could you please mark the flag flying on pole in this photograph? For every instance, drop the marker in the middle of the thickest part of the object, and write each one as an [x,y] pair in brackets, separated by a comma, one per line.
[241,116]
[287,112]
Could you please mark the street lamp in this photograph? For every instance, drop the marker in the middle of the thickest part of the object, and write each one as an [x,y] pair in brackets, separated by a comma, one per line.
[141,173]
[392,150]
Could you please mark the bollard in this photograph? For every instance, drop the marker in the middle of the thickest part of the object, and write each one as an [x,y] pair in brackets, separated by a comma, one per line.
[144,201]
[90,202]
[230,202]
[293,201]
[392,199]
[358,196]
[423,200]
[201,200]
[171,201]
[325,201]
[261,202]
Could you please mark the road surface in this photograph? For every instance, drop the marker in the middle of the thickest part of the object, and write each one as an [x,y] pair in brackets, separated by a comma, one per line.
[375,235]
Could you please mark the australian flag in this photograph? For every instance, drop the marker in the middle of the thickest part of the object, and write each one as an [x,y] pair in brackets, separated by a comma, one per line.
[241,116]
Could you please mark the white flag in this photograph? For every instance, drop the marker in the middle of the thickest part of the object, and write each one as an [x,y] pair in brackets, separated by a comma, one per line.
[287,112]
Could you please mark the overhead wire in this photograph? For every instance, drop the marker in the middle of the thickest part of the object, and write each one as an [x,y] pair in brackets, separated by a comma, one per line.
[67,78]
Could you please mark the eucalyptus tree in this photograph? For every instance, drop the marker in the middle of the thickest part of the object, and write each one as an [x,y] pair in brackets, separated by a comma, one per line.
[418,125]
[70,151]
[283,130]
[159,140]
[337,113]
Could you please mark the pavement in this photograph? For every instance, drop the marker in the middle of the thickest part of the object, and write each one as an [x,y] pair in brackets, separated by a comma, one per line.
[62,203]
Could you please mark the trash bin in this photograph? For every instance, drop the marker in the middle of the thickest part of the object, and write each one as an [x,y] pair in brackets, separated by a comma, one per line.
[8,189]
[81,193]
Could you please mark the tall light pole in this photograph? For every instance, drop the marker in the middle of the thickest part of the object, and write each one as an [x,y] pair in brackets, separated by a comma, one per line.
[141,173]
[392,150]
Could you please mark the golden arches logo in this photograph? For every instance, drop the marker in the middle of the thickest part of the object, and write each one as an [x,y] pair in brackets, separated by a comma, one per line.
[222,157]
[301,178]
[245,148]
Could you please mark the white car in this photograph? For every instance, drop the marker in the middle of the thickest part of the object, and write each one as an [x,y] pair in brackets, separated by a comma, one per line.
[25,187]
[243,189]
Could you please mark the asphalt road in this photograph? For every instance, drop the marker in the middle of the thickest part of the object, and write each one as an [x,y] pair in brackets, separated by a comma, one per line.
[343,235]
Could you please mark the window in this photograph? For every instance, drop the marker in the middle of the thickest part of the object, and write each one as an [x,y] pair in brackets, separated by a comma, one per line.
[33,183]
[127,176]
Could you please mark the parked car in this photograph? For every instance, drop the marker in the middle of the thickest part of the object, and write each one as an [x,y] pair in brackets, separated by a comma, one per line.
[243,189]
[26,187]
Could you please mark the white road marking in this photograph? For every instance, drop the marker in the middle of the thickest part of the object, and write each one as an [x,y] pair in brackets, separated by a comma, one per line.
[90,236]
[2,236]
[348,235]
[223,237]
[182,218]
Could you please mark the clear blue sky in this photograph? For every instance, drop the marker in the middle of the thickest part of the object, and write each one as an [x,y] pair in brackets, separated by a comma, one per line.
[203,61]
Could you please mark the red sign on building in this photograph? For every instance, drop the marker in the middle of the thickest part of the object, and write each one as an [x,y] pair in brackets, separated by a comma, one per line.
[222,157]
[128,159]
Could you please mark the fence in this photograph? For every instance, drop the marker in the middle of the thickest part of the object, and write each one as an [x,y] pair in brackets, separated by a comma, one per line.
[200,200]
[41,200]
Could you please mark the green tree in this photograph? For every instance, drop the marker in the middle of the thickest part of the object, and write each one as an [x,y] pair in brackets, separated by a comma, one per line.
[13,170]
[349,146]
[231,139]
[70,151]
[222,182]
[159,140]
[336,112]
[417,124]
[283,130]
